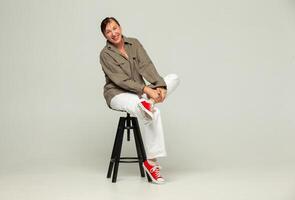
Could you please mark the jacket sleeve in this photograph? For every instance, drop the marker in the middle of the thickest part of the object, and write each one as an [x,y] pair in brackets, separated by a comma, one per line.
[147,69]
[118,76]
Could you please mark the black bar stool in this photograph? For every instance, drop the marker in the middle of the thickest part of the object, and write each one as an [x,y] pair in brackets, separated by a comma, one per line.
[127,123]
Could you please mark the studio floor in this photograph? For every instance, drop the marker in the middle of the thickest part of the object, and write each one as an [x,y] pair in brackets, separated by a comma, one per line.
[87,182]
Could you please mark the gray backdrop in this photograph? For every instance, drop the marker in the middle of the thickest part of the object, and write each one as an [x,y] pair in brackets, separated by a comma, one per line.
[234,107]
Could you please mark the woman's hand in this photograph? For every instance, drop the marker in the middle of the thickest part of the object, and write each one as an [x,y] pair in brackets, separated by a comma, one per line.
[153,94]
[163,93]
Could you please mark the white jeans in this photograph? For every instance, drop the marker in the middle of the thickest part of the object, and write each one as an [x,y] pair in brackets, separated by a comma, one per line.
[152,133]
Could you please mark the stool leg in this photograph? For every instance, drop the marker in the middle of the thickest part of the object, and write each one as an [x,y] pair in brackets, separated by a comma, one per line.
[141,145]
[115,146]
[119,148]
[138,149]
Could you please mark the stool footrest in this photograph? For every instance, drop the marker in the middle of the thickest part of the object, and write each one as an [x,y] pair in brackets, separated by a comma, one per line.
[128,157]
[125,160]
[132,160]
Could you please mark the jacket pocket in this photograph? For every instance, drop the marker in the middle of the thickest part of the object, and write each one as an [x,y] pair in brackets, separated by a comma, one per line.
[126,68]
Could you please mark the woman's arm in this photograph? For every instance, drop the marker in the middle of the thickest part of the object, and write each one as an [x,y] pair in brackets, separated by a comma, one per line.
[147,69]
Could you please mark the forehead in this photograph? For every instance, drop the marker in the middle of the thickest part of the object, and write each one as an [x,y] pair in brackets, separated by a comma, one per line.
[111,24]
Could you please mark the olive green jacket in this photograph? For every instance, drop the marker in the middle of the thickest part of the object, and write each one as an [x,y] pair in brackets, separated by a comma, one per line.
[126,75]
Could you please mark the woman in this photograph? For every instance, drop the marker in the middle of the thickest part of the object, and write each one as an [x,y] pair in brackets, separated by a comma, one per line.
[126,65]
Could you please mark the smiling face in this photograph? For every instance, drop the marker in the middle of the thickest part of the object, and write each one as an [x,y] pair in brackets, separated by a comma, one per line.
[113,32]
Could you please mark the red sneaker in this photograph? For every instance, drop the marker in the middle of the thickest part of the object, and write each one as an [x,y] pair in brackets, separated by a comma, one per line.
[147,108]
[154,172]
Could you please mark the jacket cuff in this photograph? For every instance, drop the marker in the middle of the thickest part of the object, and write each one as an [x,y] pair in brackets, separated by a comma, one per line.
[159,83]
[139,89]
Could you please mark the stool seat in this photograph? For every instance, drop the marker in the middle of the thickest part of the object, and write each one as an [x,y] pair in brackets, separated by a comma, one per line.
[127,123]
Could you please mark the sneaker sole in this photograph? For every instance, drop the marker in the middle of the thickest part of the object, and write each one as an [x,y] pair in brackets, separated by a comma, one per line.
[141,107]
[154,180]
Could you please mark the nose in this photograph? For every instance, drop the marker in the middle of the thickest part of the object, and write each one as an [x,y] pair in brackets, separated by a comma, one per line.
[113,33]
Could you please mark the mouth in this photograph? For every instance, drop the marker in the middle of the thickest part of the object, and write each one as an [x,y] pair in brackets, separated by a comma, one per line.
[116,38]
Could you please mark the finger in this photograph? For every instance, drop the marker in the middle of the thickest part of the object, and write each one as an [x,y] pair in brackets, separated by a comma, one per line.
[155,100]
[163,95]
[160,98]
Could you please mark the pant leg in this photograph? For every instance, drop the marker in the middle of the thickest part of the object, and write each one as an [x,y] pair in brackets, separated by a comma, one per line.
[153,137]
[127,102]
[172,81]
[152,133]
